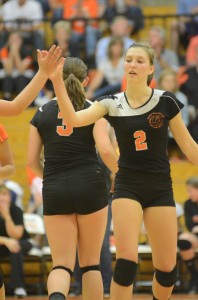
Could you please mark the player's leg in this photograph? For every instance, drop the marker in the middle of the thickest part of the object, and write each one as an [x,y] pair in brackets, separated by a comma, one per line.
[62,237]
[91,230]
[161,227]
[188,243]
[127,220]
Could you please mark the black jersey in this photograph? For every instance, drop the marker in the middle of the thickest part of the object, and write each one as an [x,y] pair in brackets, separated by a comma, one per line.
[142,133]
[64,147]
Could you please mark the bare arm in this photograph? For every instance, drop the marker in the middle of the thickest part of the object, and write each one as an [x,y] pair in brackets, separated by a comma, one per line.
[74,119]
[104,145]
[183,138]
[7,165]
[47,63]
[13,231]
[34,152]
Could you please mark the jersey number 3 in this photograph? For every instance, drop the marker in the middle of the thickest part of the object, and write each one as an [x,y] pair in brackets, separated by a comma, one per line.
[64,129]
[140,140]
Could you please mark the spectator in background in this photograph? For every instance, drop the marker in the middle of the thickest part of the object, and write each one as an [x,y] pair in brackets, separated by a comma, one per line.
[84,32]
[184,28]
[128,8]
[25,16]
[63,37]
[109,74]
[17,64]
[188,241]
[164,58]
[168,82]
[14,240]
[191,51]
[120,27]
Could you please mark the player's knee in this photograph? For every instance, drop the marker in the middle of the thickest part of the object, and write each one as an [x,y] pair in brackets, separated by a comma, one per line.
[89,268]
[63,268]
[1,281]
[166,279]
[184,245]
[125,271]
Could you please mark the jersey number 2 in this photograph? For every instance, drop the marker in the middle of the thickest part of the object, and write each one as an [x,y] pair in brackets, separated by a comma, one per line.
[140,138]
[64,129]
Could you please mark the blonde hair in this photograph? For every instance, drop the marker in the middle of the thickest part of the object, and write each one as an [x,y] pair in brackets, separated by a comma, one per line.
[165,73]
[74,72]
[150,52]
[62,24]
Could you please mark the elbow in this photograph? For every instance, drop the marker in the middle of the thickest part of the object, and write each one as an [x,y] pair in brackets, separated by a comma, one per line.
[32,165]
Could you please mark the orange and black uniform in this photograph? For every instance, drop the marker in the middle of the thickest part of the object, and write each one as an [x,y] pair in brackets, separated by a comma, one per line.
[142,134]
[73,181]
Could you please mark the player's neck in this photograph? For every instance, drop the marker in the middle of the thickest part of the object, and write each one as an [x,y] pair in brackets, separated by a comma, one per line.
[138,96]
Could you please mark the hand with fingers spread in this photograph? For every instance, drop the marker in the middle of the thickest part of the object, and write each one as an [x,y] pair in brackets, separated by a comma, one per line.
[48,61]
[58,71]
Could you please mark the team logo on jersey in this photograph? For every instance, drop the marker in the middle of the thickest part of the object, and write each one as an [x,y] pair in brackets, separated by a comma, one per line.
[156,120]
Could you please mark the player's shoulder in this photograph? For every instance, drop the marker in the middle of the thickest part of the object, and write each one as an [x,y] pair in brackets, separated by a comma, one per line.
[49,105]
[112,97]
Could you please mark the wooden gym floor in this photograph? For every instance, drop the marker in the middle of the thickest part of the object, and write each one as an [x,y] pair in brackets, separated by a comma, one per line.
[135,297]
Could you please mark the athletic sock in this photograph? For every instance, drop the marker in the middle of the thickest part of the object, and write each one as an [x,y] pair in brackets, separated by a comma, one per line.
[57,296]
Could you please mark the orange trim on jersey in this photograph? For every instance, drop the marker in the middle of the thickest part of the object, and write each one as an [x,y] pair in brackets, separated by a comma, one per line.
[3,134]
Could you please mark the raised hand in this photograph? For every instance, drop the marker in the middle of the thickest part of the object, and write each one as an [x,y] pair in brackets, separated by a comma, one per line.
[48,61]
[58,71]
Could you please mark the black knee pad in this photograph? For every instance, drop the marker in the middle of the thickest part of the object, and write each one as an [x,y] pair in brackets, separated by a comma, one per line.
[166,279]
[90,268]
[125,271]
[57,296]
[63,268]
[184,245]
[1,281]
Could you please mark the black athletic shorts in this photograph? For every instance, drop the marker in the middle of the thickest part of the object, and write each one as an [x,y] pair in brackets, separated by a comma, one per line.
[75,191]
[149,189]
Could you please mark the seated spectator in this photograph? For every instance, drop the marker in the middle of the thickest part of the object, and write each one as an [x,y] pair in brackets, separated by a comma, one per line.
[189,84]
[14,240]
[128,8]
[63,38]
[84,31]
[120,27]
[164,58]
[188,241]
[191,52]
[109,74]
[17,64]
[25,16]
[184,28]
[16,192]
[168,82]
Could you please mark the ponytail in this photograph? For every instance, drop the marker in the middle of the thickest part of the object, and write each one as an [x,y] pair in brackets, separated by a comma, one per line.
[75,91]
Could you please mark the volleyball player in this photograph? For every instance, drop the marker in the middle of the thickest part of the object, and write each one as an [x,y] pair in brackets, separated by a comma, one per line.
[141,117]
[48,61]
[75,196]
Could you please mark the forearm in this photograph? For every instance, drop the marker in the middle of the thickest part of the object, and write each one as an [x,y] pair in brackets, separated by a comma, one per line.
[191,152]
[64,103]
[110,159]
[3,240]
[12,229]
[37,168]
[20,64]
[6,171]
[24,99]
